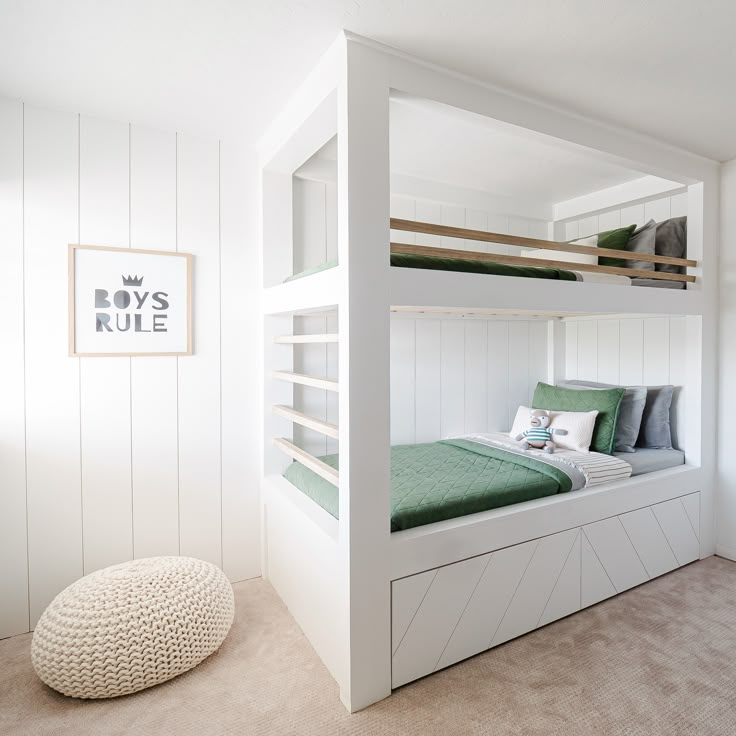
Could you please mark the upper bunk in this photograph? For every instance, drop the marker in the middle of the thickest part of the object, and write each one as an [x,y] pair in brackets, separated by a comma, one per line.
[482,211]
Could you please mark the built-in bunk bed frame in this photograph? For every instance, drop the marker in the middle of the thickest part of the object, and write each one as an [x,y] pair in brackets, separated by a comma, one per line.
[383,609]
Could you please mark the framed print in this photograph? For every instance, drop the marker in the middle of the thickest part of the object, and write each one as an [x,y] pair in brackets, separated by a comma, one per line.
[124,301]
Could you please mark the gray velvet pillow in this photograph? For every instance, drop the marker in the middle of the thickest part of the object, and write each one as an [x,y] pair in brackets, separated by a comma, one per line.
[629,415]
[671,240]
[655,431]
[643,241]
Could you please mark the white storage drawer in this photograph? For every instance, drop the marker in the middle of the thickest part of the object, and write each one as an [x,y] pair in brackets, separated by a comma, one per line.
[444,615]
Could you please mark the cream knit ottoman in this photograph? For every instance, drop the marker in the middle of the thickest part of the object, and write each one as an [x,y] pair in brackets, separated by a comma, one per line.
[130,626]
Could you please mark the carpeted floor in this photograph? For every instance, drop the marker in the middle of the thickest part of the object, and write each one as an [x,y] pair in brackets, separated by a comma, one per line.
[660,659]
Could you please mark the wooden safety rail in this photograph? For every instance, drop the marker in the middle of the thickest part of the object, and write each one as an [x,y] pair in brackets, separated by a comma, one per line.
[428,228]
[309,461]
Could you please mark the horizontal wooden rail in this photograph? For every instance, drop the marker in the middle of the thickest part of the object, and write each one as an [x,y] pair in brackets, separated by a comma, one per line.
[308,461]
[303,339]
[312,381]
[472,255]
[330,430]
[428,228]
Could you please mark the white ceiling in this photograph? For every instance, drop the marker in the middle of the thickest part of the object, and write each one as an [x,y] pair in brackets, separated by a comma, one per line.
[437,143]
[223,67]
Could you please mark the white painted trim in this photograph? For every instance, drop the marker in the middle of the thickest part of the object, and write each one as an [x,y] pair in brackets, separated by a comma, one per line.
[646,187]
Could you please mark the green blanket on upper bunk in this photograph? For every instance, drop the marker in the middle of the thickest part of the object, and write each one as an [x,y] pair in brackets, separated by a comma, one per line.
[444,480]
[434,263]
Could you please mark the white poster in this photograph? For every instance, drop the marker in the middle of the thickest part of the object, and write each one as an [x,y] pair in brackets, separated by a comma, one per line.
[129,302]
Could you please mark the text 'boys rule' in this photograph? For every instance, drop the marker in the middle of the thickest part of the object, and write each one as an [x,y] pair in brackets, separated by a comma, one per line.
[149,310]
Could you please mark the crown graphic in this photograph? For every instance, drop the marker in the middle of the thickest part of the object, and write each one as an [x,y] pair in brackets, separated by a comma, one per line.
[132,280]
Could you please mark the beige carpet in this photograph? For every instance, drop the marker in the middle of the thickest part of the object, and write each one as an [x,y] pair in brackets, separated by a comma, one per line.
[660,659]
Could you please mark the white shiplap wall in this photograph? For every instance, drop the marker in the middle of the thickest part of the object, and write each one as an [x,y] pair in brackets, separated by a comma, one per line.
[632,351]
[452,376]
[657,209]
[437,213]
[109,459]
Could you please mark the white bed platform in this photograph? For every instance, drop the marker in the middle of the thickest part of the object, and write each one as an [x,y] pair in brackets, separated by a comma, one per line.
[384,609]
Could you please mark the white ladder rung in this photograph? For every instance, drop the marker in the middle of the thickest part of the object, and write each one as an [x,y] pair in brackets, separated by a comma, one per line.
[325,383]
[308,461]
[326,428]
[304,339]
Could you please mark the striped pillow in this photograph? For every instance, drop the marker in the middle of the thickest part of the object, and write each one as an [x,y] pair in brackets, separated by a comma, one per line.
[579,426]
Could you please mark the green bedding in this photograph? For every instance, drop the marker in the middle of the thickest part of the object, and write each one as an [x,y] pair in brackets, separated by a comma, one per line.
[443,480]
[459,264]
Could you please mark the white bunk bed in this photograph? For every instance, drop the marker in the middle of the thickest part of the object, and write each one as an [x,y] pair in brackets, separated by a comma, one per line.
[380,608]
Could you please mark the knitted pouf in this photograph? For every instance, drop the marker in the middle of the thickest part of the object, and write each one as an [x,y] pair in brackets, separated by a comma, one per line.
[131,626]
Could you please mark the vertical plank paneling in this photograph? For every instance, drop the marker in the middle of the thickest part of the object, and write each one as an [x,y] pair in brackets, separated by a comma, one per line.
[199,374]
[476,376]
[405,209]
[678,205]
[13,523]
[454,217]
[656,367]
[453,371]
[587,350]
[51,215]
[402,381]
[537,354]
[429,212]
[678,378]
[609,220]
[498,377]
[428,380]
[518,365]
[104,216]
[631,341]
[240,286]
[476,220]
[657,210]
[588,226]
[499,224]
[154,379]
[571,350]
[633,215]
[608,350]
[572,230]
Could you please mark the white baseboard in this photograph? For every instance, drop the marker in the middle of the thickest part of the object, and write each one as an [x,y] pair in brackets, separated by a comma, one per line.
[728,552]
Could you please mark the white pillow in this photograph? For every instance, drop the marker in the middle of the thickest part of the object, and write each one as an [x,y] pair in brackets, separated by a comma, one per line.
[559,255]
[579,426]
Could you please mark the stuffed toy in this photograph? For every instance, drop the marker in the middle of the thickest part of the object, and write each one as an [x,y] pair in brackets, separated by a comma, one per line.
[539,435]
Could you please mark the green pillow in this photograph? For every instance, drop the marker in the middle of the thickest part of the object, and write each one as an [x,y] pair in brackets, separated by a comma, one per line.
[617,239]
[606,402]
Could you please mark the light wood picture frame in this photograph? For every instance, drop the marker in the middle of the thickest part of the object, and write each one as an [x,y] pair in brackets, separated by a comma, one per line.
[114,311]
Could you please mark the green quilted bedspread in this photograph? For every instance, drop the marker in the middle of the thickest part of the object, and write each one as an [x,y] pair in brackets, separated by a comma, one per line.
[459,264]
[443,480]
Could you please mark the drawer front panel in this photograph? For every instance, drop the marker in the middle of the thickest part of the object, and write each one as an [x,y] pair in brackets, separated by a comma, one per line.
[447,614]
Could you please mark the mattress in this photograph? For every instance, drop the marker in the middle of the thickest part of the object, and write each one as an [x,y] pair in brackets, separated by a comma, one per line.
[444,480]
[646,460]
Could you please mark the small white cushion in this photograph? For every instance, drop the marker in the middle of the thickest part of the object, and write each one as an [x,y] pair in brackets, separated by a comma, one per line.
[559,255]
[579,426]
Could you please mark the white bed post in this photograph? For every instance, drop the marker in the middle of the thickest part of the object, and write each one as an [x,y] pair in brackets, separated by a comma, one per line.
[363,255]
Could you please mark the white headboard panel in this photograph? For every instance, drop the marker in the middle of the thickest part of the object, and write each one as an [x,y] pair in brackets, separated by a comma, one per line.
[649,351]
[657,208]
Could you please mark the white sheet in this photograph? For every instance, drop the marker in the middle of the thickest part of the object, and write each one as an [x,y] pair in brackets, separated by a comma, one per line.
[594,467]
